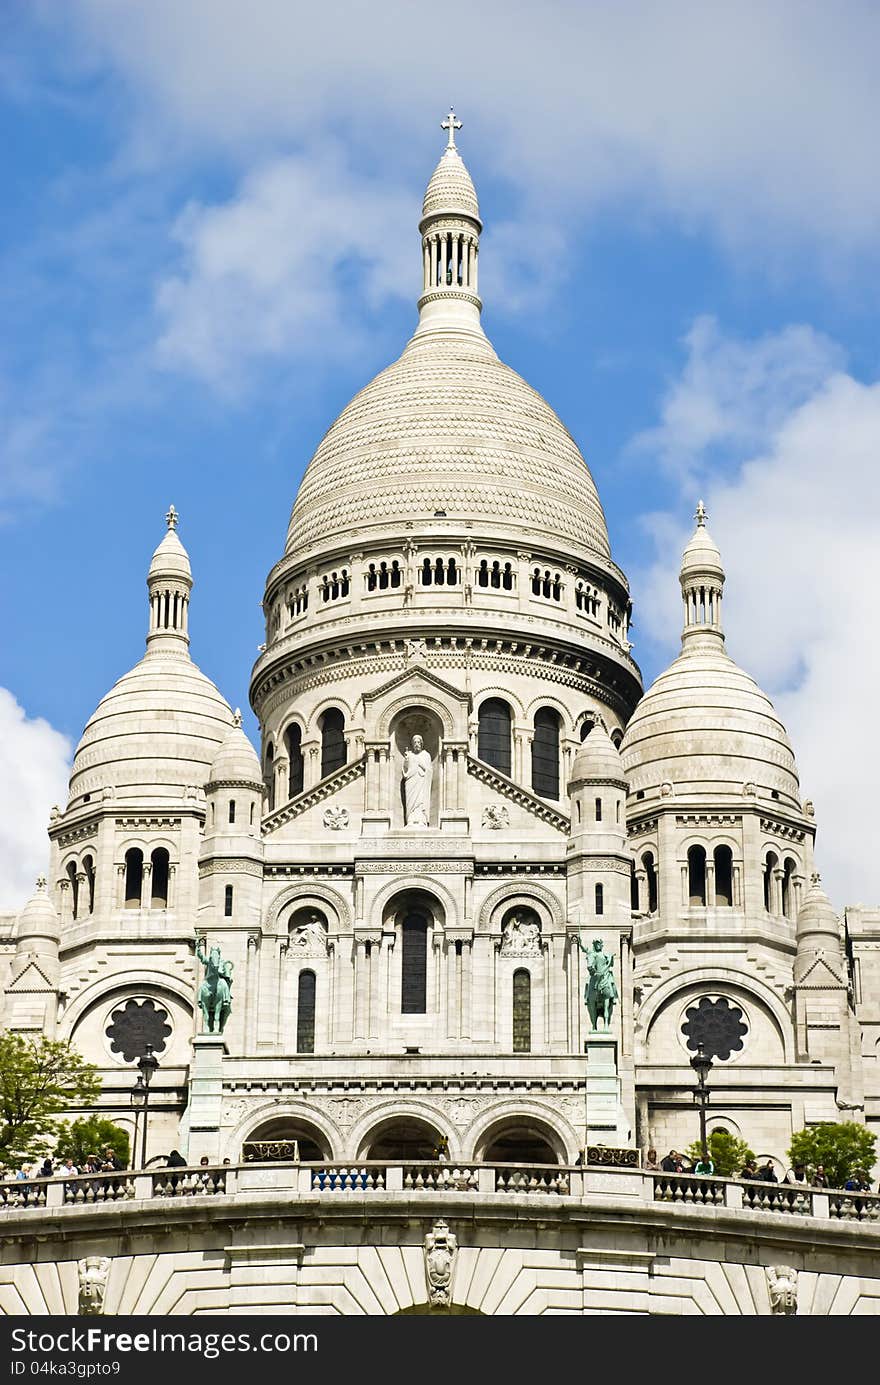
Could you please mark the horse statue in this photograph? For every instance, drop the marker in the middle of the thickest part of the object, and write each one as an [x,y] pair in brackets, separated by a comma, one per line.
[600,992]
[215,992]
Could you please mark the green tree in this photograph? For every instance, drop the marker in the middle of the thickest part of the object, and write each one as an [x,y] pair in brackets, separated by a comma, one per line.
[842,1146]
[39,1078]
[727,1153]
[90,1135]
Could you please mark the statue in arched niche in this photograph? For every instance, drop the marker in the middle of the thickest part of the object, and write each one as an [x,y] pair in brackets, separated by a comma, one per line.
[418,771]
[308,933]
[521,935]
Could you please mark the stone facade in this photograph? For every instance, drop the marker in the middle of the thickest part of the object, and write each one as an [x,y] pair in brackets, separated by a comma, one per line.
[404,981]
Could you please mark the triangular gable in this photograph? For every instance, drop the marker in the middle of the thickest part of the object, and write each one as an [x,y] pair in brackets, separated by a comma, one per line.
[821,975]
[30,979]
[530,802]
[413,676]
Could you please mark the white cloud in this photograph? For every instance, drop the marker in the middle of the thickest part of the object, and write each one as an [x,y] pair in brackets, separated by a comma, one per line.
[798,525]
[304,248]
[34,768]
[749,119]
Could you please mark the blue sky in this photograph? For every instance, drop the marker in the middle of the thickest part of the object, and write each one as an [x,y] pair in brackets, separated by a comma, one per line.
[209,243]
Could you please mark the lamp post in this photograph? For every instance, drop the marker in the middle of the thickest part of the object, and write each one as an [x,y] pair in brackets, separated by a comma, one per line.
[137,1098]
[147,1065]
[702,1065]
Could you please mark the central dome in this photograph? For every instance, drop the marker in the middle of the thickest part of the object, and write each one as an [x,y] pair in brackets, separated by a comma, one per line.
[449,427]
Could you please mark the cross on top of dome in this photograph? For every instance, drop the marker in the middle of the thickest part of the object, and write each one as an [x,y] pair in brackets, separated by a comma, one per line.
[451,123]
[172,518]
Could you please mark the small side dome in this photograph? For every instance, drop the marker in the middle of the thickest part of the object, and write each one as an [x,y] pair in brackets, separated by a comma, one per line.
[236,761]
[38,918]
[597,759]
[817,923]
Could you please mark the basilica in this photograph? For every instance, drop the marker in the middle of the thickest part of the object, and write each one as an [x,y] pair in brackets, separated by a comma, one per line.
[476,894]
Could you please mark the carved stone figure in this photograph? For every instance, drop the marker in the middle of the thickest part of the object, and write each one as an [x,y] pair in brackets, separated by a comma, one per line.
[782,1286]
[441,1248]
[93,1273]
[417,775]
[496,816]
[600,991]
[336,818]
[310,938]
[215,992]
[521,937]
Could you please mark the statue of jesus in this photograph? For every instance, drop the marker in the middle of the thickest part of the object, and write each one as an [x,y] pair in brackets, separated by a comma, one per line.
[417,773]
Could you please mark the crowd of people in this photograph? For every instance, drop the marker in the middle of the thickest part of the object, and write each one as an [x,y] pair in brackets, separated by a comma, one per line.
[752,1171]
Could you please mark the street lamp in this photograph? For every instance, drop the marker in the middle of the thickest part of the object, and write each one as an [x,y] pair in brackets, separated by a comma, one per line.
[147,1065]
[702,1066]
[138,1099]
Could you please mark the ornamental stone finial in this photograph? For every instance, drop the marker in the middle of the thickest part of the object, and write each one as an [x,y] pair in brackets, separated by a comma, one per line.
[172,517]
[701,515]
[451,123]
[236,717]
[41,883]
[815,880]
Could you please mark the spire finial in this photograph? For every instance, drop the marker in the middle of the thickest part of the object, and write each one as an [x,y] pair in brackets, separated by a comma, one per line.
[701,515]
[451,123]
[172,517]
[41,883]
[815,880]
[236,719]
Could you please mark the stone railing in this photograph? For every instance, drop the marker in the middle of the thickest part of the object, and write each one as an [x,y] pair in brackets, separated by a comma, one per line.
[596,1183]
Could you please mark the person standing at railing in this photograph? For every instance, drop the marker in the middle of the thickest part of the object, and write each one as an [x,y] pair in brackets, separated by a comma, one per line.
[704,1166]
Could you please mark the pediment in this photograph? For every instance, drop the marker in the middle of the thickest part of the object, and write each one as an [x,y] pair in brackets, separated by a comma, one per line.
[417,680]
[30,979]
[821,974]
[526,800]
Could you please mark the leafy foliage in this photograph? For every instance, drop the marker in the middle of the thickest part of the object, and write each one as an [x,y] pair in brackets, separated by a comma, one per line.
[842,1146]
[727,1153]
[39,1078]
[90,1135]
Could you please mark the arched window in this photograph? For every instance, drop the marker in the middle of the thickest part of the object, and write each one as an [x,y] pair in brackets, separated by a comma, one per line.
[333,752]
[134,871]
[723,876]
[650,870]
[159,878]
[633,888]
[522,1011]
[770,865]
[293,743]
[600,899]
[493,736]
[269,776]
[789,868]
[305,1012]
[89,872]
[227,901]
[697,875]
[586,728]
[414,965]
[74,891]
[545,753]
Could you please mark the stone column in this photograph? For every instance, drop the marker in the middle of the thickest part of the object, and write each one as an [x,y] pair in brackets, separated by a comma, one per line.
[146,884]
[172,887]
[282,780]
[360,989]
[642,890]
[710,883]
[82,895]
[467,987]
[776,892]
[120,887]
[737,887]
[311,764]
[65,908]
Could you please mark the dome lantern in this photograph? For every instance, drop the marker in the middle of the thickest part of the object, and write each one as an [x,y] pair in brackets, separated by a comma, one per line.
[450,228]
[169,582]
[702,584]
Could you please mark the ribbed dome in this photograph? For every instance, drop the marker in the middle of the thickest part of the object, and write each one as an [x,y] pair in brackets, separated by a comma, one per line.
[449,427]
[450,188]
[155,733]
[38,918]
[236,760]
[706,725]
[170,559]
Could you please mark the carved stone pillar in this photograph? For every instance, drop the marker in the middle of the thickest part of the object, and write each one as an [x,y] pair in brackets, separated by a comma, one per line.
[120,887]
[282,780]
[172,887]
[65,909]
[146,884]
[776,892]
[451,991]
[737,887]
[82,895]
[642,890]
[361,992]
[710,884]
[311,764]
[685,891]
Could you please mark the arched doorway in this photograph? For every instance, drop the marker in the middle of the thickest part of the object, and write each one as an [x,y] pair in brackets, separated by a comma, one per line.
[283,1139]
[402,1139]
[520,1140]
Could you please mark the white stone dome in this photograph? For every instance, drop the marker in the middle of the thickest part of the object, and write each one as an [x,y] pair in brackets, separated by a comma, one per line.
[597,759]
[236,761]
[705,725]
[155,733]
[38,918]
[451,188]
[449,428]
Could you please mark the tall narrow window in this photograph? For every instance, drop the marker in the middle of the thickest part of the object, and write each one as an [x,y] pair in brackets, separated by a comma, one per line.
[293,741]
[74,891]
[723,876]
[769,867]
[227,902]
[232,810]
[522,1012]
[89,871]
[134,871]
[633,888]
[305,1012]
[789,869]
[598,810]
[650,870]
[545,753]
[600,899]
[697,875]
[269,776]
[159,878]
[414,965]
[333,752]
[493,736]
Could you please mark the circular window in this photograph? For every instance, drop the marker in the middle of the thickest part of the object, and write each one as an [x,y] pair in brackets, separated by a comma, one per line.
[717,1024]
[135,1026]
